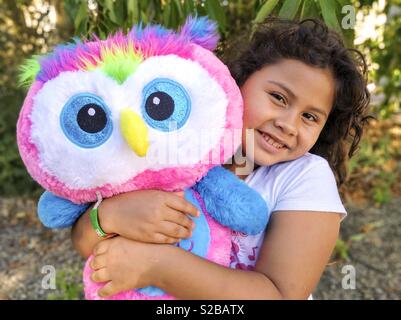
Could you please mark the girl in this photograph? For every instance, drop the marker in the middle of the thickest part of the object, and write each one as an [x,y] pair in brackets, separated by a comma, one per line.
[305,99]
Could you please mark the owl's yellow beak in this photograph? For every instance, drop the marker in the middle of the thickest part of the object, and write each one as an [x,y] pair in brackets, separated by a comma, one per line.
[134,131]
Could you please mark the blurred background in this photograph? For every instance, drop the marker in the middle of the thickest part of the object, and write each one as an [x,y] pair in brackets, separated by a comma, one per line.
[366,263]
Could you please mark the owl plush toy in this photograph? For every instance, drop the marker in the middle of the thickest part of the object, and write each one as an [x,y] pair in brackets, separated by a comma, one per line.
[151,109]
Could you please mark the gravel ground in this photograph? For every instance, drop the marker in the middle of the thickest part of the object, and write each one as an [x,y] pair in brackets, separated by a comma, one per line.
[371,236]
[26,248]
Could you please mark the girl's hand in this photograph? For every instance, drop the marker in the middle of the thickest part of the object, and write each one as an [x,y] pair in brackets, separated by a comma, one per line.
[148,216]
[112,263]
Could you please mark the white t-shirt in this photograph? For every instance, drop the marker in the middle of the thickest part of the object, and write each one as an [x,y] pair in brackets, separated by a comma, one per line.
[306,184]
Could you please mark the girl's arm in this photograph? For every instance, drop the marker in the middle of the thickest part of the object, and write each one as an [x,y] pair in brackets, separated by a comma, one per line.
[83,236]
[147,215]
[295,252]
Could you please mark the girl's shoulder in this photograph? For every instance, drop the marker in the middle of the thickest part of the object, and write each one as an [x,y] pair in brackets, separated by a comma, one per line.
[307,183]
[309,164]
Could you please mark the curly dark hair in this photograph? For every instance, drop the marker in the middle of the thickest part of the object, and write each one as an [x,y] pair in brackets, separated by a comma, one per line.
[313,43]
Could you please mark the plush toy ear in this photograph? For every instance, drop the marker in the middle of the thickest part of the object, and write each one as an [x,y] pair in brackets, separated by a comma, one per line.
[201,31]
[28,71]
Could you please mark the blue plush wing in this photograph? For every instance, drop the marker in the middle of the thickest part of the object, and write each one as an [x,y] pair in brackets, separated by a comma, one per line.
[56,212]
[232,202]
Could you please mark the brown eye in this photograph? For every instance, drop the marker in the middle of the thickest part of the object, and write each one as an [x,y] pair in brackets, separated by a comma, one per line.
[310,117]
[279,98]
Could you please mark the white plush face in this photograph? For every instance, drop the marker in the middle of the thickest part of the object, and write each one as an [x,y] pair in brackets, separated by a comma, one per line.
[84,153]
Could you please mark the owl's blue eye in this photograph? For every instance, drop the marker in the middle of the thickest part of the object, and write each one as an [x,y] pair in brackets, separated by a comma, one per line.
[166,104]
[85,120]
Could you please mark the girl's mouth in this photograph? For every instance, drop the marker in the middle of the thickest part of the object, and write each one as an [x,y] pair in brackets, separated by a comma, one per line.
[271,141]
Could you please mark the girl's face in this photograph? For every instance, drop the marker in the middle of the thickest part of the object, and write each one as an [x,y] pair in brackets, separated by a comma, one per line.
[287,105]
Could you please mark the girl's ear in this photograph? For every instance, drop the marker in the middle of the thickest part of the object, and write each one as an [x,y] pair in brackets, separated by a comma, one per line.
[201,31]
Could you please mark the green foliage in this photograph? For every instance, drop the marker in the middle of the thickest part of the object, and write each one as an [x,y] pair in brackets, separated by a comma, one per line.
[329,12]
[341,249]
[374,168]
[265,10]
[382,189]
[385,57]
[106,16]
[69,286]
[289,9]
[18,41]
[371,154]
[14,179]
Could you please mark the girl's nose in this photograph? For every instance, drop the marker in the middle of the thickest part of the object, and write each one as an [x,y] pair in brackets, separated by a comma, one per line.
[288,125]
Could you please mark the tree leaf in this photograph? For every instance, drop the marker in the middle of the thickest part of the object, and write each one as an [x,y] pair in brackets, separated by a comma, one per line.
[174,17]
[133,11]
[150,10]
[166,10]
[111,12]
[289,9]
[342,3]
[216,12]
[120,12]
[188,7]
[71,7]
[309,10]
[144,17]
[329,14]
[81,19]
[265,10]
[179,8]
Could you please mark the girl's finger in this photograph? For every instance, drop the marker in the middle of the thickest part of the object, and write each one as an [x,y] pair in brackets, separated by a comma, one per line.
[164,239]
[100,275]
[109,289]
[174,230]
[98,262]
[180,204]
[180,194]
[101,247]
[180,218]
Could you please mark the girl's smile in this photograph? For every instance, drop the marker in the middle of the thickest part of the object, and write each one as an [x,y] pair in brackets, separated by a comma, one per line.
[286,104]
[269,142]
